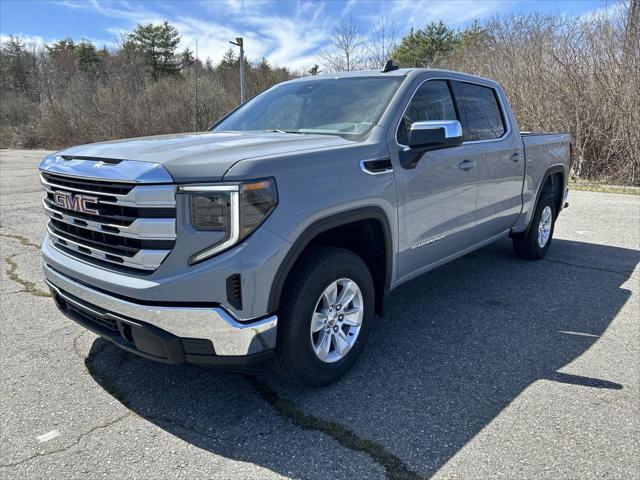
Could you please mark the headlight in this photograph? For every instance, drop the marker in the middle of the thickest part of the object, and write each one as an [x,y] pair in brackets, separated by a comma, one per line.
[210,212]
[257,201]
[234,209]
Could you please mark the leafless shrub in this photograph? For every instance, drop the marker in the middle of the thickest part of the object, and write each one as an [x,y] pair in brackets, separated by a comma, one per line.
[576,75]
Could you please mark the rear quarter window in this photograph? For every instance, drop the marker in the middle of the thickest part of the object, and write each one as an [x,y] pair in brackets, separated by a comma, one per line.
[480,112]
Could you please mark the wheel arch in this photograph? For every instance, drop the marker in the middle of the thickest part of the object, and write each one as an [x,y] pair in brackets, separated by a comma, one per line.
[321,230]
[557,186]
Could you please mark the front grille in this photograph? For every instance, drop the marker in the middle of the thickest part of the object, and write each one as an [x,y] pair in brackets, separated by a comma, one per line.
[120,224]
[83,183]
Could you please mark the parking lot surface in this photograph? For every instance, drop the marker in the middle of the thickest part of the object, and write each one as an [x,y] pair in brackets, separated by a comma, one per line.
[488,367]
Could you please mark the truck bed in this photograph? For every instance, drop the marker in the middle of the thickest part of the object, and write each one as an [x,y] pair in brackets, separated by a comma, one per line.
[546,149]
[543,152]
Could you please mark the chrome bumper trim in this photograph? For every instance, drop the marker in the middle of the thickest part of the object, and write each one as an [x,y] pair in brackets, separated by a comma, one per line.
[229,337]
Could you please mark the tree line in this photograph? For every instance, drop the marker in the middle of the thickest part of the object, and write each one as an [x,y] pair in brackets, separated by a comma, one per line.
[73,92]
[580,75]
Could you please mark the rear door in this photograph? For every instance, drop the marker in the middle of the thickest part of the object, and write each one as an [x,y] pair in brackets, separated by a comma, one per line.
[498,155]
[437,198]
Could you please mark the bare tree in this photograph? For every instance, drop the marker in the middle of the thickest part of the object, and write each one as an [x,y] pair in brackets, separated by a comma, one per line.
[380,43]
[347,50]
[632,29]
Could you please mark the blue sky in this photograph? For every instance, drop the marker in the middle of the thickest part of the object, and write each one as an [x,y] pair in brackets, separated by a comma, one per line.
[288,33]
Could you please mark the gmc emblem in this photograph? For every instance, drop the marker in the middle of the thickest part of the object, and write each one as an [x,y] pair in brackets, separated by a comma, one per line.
[77,203]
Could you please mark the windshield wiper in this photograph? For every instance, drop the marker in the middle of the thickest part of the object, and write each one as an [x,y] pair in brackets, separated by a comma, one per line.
[277,130]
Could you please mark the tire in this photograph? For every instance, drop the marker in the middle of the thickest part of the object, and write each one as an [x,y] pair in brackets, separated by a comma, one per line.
[318,269]
[530,245]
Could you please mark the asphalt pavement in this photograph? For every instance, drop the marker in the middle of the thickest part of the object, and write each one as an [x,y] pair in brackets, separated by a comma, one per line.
[488,367]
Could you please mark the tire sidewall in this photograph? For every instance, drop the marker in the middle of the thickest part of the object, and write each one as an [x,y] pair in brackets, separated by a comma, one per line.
[546,201]
[313,370]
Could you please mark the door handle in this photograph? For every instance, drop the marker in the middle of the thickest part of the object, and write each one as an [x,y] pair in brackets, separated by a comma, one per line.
[467,165]
[516,157]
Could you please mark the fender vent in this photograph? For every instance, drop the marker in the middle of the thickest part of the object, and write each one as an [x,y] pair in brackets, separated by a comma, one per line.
[377,166]
[234,291]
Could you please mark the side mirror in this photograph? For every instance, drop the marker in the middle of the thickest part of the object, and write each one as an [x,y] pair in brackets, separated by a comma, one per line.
[430,135]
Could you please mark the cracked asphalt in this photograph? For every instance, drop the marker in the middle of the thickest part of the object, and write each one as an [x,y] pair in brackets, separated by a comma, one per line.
[489,367]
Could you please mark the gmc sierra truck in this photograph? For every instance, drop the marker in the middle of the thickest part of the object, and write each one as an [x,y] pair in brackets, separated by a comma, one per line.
[275,236]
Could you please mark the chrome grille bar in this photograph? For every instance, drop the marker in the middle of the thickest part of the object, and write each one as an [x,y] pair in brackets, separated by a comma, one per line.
[141,196]
[142,228]
[144,259]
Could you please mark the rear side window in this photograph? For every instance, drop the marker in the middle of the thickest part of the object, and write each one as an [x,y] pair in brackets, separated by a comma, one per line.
[480,112]
[432,101]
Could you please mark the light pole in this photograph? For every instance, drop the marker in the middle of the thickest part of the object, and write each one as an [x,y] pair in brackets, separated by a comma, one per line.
[240,44]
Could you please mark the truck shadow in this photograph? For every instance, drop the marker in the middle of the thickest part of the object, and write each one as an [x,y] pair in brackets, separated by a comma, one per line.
[452,350]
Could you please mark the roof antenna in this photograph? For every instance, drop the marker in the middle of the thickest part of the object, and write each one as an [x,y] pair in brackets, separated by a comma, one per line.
[389,66]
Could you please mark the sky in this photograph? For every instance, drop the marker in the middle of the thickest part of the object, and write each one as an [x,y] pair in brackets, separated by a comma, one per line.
[287,33]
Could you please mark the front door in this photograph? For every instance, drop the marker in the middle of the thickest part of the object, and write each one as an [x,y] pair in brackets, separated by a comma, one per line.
[437,198]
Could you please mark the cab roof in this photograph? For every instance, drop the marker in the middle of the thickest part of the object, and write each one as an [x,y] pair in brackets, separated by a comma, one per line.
[400,72]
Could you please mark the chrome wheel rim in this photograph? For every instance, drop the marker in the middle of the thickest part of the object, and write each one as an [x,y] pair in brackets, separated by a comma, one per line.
[544,227]
[336,320]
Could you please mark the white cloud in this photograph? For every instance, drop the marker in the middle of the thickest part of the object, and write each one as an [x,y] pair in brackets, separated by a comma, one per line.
[608,12]
[29,41]
[36,41]
[348,7]
[124,10]
[291,39]
[418,13]
[234,6]
[282,42]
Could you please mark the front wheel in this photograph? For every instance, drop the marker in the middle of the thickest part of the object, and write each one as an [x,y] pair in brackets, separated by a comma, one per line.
[327,311]
[534,244]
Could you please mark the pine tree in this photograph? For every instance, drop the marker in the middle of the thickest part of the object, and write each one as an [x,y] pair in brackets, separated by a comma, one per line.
[229,58]
[61,47]
[158,43]
[186,58]
[424,47]
[89,60]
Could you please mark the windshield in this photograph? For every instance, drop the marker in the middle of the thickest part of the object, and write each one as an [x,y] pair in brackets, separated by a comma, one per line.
[330,106]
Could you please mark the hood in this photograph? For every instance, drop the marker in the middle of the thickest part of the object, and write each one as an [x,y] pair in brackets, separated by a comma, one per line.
[199,157]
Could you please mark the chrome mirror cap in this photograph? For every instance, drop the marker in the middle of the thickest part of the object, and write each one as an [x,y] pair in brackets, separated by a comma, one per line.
[452,128]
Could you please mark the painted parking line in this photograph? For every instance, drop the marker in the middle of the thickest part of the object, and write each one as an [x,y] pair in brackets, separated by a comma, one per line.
[45,437]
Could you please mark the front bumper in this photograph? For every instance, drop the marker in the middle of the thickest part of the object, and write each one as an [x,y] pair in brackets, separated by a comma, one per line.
[169,334]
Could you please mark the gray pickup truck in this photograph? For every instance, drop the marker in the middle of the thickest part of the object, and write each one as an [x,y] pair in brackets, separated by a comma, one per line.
[275,236]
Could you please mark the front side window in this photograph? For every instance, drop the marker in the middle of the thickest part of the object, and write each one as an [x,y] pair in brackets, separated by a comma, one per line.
[329,106]
[432,101]
[480,112]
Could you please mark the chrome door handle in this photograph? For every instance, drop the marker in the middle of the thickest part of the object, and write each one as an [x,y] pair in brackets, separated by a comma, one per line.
[467,165]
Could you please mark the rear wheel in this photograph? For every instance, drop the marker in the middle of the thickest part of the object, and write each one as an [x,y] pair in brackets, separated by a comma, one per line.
[327,312]
[534,244]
